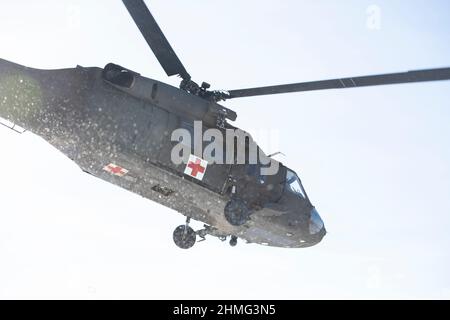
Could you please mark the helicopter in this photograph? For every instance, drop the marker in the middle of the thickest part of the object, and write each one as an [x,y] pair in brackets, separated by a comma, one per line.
[118,126]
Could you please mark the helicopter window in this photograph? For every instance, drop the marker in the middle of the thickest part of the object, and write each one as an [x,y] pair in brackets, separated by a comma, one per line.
[255,171]
[252,170]
[189,126]
[293,184]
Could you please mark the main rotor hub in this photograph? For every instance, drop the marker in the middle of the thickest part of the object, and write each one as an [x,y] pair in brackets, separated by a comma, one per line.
[202,91]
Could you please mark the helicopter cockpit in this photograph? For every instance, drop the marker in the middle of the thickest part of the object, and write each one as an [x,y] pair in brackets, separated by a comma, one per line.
[294,185]
[295,191]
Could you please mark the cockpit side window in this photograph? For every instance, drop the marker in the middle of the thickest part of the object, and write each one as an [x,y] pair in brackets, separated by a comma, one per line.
[254,170]
[294,185]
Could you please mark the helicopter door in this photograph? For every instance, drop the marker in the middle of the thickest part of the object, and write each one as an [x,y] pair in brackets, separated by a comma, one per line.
[215,176]
[209,175]
[255,187]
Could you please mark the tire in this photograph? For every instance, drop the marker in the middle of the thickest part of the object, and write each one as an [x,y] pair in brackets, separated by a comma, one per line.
[233,241]
[184,237]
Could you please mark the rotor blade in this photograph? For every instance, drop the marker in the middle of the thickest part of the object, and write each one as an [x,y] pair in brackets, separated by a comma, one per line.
[366,81]
[155,38]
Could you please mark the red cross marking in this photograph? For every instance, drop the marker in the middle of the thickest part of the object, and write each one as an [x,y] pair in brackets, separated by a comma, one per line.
[196,167]
[115,170]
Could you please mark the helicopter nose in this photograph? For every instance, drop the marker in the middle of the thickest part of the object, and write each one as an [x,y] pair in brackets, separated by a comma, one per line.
[316,226]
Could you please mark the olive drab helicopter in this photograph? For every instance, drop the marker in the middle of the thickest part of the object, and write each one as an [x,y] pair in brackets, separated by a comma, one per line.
[116,125]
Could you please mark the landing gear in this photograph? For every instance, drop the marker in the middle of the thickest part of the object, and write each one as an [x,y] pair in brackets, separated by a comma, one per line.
[233,241]
[184,237]
[236,212]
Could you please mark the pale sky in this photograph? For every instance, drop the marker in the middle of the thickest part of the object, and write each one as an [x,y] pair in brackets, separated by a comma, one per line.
[374,161]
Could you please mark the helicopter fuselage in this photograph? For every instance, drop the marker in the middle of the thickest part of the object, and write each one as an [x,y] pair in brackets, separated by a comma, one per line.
[116,125]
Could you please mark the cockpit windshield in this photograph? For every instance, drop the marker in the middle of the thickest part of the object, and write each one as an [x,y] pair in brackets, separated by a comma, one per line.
[294,185]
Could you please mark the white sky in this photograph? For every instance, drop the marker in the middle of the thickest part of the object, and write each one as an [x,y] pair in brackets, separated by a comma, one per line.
[375,161]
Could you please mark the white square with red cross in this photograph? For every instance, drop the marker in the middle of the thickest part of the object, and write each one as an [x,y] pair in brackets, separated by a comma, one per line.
[116,170]
[196,167]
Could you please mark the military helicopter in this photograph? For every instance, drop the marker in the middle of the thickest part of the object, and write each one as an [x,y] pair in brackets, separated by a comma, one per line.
[116,125]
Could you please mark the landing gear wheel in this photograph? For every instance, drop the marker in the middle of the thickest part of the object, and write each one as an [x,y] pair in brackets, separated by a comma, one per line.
[184,237]
[237,212]
[233,241]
